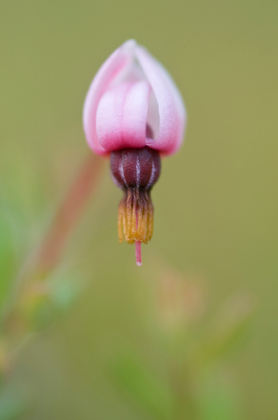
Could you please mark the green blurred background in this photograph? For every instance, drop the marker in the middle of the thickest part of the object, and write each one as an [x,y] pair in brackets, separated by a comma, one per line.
[216,202]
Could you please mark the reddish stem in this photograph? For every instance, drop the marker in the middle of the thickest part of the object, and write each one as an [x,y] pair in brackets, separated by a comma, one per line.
[53,243]
[68,213]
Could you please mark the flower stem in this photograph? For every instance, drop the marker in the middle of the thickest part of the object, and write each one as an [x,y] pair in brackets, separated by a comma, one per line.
[48,254]
[68,213]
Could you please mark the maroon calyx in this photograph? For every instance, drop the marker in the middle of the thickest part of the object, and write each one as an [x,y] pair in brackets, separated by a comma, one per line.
[133,168]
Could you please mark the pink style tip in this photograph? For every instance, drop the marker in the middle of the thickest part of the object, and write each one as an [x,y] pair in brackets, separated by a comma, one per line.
[138,255]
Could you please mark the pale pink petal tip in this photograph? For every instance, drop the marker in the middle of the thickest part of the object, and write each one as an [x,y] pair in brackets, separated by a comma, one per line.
[130,93]
[138,255]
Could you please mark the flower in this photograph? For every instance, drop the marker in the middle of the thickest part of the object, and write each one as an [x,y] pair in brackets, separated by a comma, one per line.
[134,112]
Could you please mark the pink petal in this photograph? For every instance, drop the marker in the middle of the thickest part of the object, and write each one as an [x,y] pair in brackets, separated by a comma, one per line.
[102,81]
[171,109]
[121,116]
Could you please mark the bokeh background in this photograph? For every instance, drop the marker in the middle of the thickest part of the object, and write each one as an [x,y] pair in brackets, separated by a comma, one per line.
[216,209]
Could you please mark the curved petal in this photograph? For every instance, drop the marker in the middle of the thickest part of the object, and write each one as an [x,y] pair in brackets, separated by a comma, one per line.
[122,116]
[171,108]
[103,79]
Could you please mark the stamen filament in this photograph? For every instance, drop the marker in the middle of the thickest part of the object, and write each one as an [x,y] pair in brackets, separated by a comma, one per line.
[135,218]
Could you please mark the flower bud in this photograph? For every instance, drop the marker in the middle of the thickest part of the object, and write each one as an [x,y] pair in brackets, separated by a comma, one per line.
[134,111]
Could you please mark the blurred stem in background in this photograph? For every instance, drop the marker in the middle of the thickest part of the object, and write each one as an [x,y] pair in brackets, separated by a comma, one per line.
[30,288]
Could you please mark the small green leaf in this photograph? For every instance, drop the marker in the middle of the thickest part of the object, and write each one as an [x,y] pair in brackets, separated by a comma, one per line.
[229,327]
[50,299]
[150,392]
[7,255]
[11,407]
[218,399]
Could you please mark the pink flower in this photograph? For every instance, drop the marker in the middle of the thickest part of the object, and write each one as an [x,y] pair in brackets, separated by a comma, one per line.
[134,112]
[133,102]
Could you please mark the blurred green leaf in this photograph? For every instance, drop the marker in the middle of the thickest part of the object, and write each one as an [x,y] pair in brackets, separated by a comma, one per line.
[64,292]
[228,328]
[54,298]
[218,400]
[150,392]
[11,407]
[7,253]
